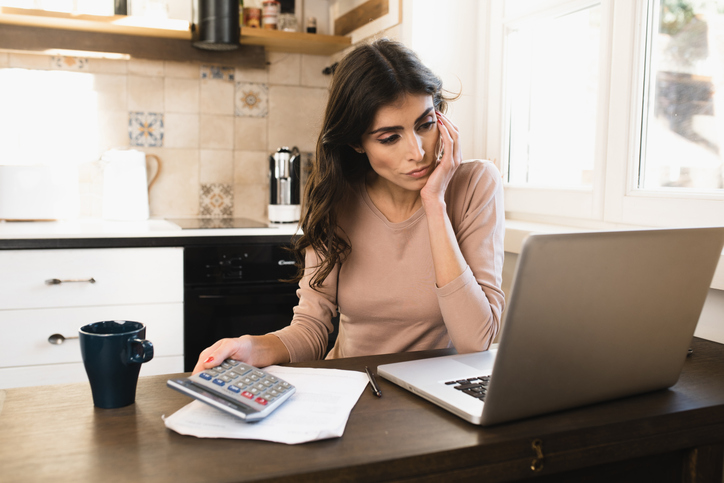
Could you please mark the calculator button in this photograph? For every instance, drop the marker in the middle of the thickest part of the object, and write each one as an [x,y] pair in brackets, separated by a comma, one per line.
[266,383]
[206,376]
[261,401]
[284,384]
[225,378]
[247,394]
[232,362]
[219,382]
[247,380]
[226,365]
[280,388]
[234,389]
[254,390]
[272,379]
[260,386]
[232,375]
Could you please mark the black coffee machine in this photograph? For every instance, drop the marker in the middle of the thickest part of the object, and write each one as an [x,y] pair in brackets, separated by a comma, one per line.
[284,186]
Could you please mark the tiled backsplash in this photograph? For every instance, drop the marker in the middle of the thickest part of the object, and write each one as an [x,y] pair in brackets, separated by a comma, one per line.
[213,127]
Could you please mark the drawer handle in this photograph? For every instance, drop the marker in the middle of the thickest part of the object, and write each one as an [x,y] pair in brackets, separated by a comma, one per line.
[57,281]
[57,339]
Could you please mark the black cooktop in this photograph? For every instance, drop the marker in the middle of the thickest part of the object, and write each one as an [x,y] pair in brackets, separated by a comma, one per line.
[203,223]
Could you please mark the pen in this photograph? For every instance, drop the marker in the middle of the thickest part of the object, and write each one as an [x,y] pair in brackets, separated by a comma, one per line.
[373,382]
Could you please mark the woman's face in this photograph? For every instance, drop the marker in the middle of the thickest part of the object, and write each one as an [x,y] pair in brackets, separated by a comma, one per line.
[402,140]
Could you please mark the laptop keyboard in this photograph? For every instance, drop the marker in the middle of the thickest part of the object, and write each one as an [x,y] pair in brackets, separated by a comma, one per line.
[476,387]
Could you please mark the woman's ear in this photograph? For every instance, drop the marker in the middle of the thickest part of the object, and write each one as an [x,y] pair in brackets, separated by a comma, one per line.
[357,148]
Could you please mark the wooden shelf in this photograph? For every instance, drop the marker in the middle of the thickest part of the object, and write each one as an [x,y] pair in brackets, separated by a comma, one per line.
[295,42]
[272,40]
[116,24]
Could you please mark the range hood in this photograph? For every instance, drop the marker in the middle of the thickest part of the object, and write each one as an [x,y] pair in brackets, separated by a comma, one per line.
[215,24]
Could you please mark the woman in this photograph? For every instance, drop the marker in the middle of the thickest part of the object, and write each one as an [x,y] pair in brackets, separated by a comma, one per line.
[398,234]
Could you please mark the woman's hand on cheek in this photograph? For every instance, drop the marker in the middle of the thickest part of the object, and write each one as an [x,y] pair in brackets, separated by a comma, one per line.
[434,189]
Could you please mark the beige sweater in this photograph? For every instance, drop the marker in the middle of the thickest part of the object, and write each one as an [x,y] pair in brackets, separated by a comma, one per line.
[385,289]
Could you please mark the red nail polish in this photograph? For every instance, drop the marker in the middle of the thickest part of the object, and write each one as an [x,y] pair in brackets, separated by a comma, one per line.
[210,359]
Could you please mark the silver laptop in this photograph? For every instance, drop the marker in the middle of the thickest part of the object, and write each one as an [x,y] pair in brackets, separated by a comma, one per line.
[591,317]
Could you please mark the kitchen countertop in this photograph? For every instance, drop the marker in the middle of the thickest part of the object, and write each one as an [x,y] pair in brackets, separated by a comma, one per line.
[97,233]
[158,232]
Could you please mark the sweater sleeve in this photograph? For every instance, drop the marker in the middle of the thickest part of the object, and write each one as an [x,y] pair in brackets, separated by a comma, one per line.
[472,304]
[307,335]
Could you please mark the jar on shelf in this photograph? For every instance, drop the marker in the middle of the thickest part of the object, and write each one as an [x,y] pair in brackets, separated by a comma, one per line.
[287,22]
[252,17]
[270,14]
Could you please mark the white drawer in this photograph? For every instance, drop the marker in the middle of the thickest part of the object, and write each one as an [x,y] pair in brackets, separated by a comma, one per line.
[26,332]
[75,372]
[121,275]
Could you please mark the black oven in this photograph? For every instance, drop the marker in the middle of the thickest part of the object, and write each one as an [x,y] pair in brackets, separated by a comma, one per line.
[232,290]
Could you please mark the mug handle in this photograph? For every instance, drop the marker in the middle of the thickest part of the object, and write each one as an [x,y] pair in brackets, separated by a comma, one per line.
[145,353]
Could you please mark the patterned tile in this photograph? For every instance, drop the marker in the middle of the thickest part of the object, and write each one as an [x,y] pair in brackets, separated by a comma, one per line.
[251,99]
[216,200]
[68,63]
[217,72]
[145,129]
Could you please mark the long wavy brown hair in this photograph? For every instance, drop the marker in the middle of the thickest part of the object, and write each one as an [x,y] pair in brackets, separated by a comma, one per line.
[369,77]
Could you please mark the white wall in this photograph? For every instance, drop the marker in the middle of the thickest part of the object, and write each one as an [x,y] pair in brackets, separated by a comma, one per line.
[447,37]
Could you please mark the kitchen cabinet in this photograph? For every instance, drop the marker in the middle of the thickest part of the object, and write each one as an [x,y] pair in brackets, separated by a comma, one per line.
[56,291]
[361,19]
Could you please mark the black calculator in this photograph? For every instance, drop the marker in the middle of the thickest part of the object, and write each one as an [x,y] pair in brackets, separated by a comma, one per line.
[236,388]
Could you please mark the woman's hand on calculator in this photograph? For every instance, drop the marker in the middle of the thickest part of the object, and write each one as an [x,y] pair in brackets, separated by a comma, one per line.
[256,350]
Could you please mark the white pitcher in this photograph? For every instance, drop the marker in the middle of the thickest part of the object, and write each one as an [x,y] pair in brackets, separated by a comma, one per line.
[126,184]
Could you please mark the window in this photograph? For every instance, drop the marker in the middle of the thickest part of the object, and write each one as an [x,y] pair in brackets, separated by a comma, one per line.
[552,71]
[608,112]
[683,130]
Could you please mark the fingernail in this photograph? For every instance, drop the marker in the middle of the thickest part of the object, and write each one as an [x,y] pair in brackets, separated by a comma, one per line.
[439,120]
[210,359]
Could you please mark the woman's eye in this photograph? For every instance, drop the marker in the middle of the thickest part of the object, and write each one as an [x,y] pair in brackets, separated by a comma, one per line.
[426,126]
[390,139]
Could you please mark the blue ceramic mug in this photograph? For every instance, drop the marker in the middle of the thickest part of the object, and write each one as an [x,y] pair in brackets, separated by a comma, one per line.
[113,352]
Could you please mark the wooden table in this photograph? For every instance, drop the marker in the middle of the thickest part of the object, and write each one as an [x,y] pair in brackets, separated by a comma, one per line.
[53,433]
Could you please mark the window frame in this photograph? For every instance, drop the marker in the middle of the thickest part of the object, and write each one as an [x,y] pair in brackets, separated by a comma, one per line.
[614,199]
